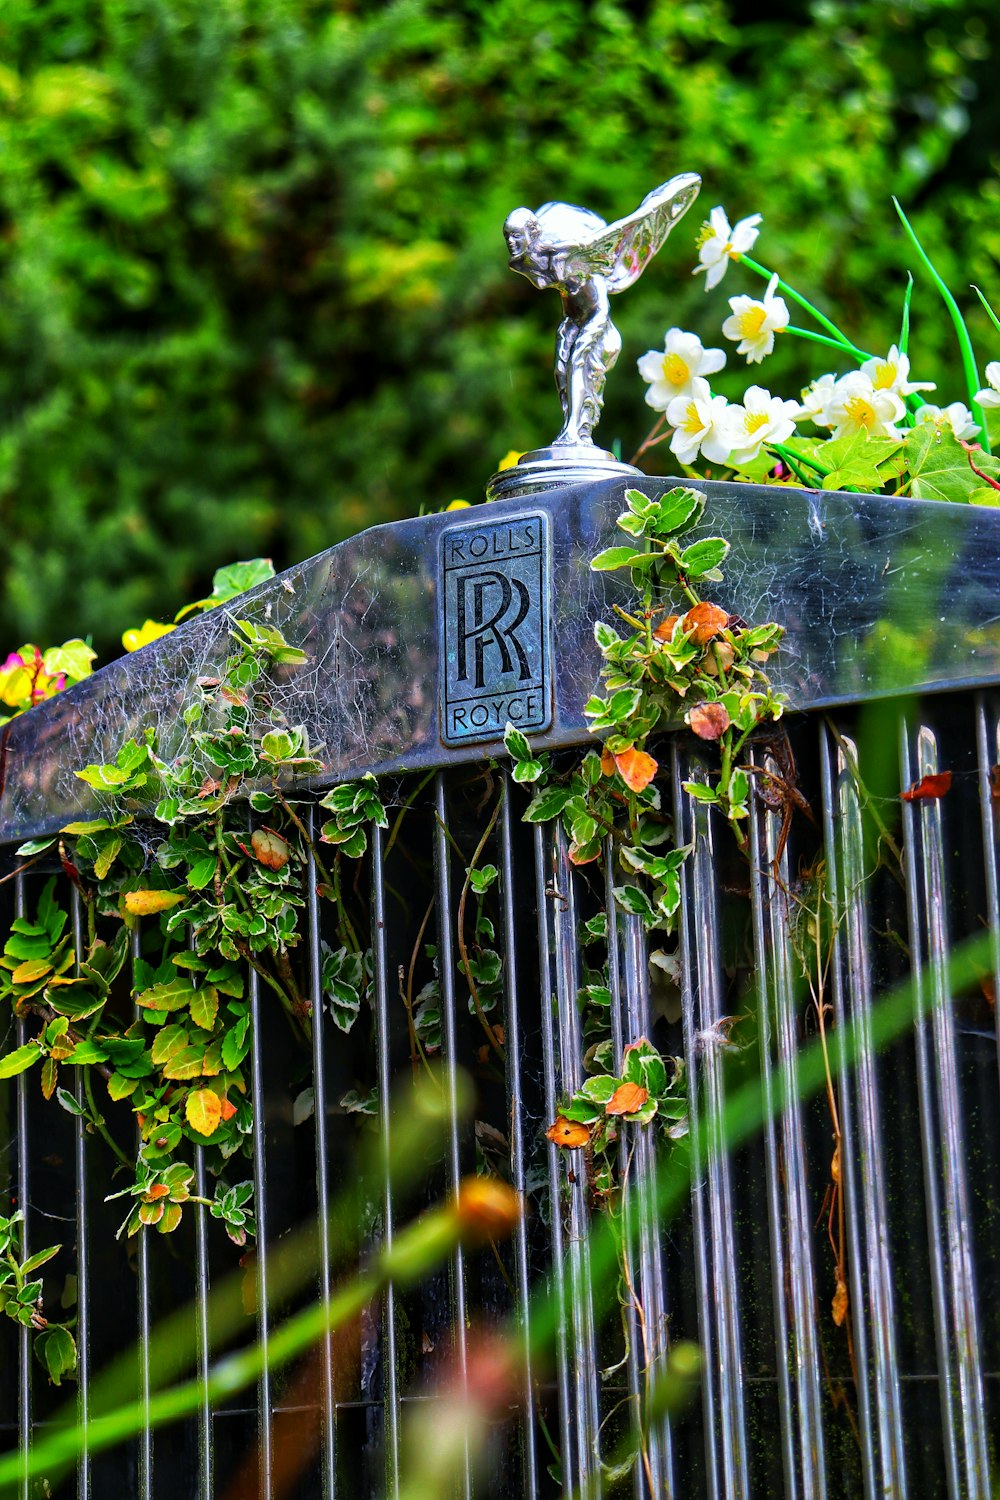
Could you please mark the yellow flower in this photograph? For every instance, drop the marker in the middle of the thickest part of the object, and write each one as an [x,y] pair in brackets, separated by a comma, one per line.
[136,638]
[509,460]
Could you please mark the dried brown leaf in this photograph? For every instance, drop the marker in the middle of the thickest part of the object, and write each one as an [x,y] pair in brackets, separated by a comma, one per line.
[708,720]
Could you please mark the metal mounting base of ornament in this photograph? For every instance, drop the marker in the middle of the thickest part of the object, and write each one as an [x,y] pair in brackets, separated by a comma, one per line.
[553,467]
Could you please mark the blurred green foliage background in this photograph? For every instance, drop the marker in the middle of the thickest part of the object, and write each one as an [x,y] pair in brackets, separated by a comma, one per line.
[253,291]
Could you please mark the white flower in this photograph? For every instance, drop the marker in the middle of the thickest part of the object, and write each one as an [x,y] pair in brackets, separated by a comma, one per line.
[673,372]
[701,425]
[856,406]
[755,323]
[893,374]
[990,396]
[761,419]
[816,399]
[718,244]
[956,416]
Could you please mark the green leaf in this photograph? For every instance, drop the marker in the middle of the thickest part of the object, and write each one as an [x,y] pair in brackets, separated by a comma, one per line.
[527,770]
[236,1044]
[39,1258]
[678,510]
[70,1103]
[185,1064]
[516,744]
[109,853]
[202,872]
[939,465]
[700,792]
[19,1060]
[34,846]
[635,901]
[605,636]
[56,1350]
[205,1006]
[87,1051]
[168,1041]
[599,1089]
[702,556]
[611,558]
[120,1087]
[547,804]
[344,1002]
[232,580]
[171,995]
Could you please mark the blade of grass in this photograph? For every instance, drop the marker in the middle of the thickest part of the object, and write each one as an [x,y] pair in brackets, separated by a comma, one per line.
[962,333]
[904,327]
[993,316]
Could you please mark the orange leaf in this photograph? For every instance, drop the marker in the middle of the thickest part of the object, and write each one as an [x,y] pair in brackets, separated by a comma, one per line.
[227,1110]
[607,762]
[665,629]
[269,848]
[839,1303]
[148,903]
[995,783]
[708,720]
[929,788]
[568,1133]
[30,970]
[487,1208]
[626,1099]
[158,1190]
[704,621]
[637,769]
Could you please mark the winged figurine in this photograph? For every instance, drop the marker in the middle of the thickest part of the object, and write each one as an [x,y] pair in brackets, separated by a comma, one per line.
[586,260]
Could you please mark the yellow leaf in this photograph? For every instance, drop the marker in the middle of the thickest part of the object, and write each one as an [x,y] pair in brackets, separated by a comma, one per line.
[204,1111]
[139,636]
[30,970]
[147,903]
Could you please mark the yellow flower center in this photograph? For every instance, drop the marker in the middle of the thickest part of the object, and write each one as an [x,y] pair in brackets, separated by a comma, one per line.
[754,421]
[860,411]
[752,320]
[885,376]
[675,369]
[705,233]
[692,422]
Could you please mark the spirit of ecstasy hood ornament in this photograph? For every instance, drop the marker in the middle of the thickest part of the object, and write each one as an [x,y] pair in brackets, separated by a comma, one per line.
[586,260]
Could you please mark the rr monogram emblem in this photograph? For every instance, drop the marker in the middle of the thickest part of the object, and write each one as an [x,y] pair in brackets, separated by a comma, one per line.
[495,653]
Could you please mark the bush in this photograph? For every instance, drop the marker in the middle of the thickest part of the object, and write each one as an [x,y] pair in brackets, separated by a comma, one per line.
[253,293]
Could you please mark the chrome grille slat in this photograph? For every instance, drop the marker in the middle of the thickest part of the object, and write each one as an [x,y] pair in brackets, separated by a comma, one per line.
[514,997]
[711,1192]
[945,1186]
[390,1389]
[873,1308]
[790,1220]
[450,1055]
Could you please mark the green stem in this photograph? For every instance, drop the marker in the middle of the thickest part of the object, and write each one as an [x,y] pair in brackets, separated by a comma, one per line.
[821,338]
[790,291]
[793,458]
[463,951]
[97,1120]
[792,463]
[962,333]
